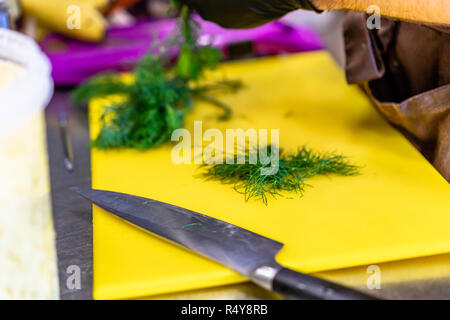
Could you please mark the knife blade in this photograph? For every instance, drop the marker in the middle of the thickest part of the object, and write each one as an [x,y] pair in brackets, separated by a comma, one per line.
[248,253]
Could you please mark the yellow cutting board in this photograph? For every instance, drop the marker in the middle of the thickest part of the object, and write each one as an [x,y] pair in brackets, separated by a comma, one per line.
[397,208]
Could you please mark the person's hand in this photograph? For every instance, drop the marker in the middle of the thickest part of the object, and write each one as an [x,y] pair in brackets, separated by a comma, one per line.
[245,13]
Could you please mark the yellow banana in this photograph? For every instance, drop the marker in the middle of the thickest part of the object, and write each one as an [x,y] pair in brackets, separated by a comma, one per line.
[74,18]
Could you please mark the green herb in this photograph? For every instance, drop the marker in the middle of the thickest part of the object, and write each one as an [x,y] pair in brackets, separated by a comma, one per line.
[293,172]
[156,101]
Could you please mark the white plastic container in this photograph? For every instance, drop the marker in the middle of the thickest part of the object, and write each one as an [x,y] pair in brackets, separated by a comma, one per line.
[28,268]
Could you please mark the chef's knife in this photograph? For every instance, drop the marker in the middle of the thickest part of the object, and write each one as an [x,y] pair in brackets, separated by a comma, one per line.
[248,253]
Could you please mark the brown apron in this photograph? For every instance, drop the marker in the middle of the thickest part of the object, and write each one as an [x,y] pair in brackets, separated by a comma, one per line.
[405,69]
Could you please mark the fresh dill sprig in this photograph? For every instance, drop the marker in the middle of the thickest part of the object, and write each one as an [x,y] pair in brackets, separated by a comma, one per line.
[293,171]
[160,94]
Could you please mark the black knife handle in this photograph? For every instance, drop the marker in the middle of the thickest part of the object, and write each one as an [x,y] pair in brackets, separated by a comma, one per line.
[296,285]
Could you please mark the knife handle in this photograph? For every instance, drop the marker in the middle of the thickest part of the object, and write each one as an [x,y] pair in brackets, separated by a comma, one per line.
[296,285]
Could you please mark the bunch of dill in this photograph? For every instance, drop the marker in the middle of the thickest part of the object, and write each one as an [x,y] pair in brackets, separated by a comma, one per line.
[156,101]
[293,171]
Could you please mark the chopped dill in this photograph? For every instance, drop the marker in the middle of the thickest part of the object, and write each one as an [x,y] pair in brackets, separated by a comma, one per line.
[294,170]
[160,94]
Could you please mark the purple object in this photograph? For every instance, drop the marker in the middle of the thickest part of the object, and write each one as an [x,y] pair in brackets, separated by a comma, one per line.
[74,61]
